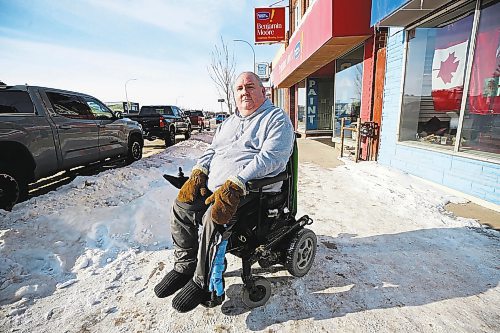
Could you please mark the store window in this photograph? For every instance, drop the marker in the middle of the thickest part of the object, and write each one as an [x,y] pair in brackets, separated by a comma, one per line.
[298,13]
[435,73]
[481,123]
[348,88]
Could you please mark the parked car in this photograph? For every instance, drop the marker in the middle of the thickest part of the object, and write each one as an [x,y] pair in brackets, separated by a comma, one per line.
[162,122]
[197,119]
[44,131]
[221,117]
[209,122]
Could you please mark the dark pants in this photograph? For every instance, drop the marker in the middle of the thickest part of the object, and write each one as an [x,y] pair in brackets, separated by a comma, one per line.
[193,253]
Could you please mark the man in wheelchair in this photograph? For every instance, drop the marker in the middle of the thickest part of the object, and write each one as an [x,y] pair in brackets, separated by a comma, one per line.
[234,193]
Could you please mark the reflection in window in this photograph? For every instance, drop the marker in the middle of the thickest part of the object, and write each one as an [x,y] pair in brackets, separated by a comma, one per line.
[348,88]
[481,124]
[15,102]
[435,72]
[69,106]
[98,110]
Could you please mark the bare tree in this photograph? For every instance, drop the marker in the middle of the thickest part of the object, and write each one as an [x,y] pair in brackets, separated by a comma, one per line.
[222,72]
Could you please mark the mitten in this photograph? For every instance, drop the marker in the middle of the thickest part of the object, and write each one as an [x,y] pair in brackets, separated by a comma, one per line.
[196,184]
[225,199]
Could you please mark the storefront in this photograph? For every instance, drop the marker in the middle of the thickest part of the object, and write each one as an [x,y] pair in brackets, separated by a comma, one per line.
[318,78]
[441,110]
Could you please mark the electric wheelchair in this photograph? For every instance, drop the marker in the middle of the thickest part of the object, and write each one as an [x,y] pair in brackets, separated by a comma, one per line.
[265,230]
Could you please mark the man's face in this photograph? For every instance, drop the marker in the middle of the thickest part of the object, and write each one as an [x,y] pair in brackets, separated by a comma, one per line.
[249,94]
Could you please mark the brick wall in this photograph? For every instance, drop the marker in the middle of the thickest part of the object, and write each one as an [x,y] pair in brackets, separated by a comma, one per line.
[477,178]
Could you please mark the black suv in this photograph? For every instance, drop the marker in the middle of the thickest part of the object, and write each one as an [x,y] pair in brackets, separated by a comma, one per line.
[163,122]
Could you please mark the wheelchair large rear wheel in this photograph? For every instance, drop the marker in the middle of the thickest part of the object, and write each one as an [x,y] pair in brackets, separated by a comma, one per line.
[301,252]
[258,295]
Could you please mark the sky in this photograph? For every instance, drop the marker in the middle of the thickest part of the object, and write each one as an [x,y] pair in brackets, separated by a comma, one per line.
[390,258]
[95,47]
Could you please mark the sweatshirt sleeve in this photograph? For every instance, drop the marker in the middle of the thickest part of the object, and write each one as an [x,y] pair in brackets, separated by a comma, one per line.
[275,152]
[203,162]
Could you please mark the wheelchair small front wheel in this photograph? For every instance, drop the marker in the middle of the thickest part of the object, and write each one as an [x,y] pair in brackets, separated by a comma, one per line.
[258,295]
[301,252]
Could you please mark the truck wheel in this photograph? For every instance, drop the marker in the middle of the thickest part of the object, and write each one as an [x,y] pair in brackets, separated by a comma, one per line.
[208,128]
[170,139]
[201,128]
[134,150]
[187,135]
[12,190]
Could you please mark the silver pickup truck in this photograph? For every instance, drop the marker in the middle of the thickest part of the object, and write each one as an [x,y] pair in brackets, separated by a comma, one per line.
[44,131]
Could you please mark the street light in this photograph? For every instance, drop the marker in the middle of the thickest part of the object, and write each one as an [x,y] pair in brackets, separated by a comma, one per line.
[244,41]
[126,95]
[221,100]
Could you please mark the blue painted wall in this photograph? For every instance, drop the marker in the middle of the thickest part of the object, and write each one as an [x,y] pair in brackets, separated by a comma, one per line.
[470,176]
[383,8]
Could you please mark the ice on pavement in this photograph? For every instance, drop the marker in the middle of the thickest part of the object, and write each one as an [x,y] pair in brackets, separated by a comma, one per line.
[87,256]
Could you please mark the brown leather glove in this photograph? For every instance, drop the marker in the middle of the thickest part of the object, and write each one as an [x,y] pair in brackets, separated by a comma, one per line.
[226,199]
[196,184]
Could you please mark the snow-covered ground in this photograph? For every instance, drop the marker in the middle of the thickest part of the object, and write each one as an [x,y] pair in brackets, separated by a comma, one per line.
[86,257]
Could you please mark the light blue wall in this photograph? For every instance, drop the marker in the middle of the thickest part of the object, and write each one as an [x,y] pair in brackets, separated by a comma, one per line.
[470,176]
[383,8]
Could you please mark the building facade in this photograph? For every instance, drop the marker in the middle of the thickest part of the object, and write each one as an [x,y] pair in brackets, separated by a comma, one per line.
[320,74]
[441,98]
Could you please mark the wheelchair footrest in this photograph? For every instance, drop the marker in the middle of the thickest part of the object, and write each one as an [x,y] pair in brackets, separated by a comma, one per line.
[214,300]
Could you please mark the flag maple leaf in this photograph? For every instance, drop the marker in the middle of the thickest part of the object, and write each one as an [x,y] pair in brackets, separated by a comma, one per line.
[448,67]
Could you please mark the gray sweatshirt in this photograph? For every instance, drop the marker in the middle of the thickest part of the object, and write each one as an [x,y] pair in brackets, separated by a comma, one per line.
[252,147]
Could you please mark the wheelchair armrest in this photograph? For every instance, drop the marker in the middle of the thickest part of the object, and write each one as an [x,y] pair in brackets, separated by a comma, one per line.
[256,184]
[176,181]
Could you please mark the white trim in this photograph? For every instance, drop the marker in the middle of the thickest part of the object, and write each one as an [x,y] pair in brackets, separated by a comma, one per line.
[403,78]
[430,147]
[468,70]
[201,168]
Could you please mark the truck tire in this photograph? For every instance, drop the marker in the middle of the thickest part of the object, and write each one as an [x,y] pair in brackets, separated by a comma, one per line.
[201,128]
[170,139]
[13,189]
[187,135]
[134,150]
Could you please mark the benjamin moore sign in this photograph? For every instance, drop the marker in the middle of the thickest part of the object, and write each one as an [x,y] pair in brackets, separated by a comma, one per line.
[269,24]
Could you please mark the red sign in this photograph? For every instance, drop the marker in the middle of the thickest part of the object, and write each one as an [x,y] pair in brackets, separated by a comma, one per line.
[269,25]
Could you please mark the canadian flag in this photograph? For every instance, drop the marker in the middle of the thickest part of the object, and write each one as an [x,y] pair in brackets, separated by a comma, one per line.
[484,91]
[448,68]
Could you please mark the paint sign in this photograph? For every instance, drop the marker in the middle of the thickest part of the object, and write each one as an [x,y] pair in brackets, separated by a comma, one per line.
[312,105]
[269,25]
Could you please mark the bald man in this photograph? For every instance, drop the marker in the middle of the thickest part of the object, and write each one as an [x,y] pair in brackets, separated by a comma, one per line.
[255,142]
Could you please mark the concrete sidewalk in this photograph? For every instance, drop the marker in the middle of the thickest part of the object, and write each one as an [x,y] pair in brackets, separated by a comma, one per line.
[322,152]
[319,151]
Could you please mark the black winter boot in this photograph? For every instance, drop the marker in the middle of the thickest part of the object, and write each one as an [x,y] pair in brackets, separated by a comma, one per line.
[172,282]
[190,297]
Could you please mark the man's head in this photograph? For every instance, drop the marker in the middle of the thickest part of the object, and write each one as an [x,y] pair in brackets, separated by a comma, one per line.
[249,93]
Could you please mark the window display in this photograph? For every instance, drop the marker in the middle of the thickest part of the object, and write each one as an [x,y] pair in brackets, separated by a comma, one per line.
[435,73]
[436,70]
